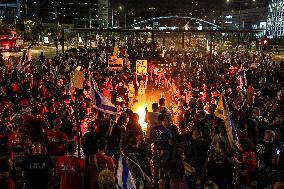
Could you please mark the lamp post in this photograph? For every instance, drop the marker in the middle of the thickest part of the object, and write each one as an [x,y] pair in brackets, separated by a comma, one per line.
[125,20]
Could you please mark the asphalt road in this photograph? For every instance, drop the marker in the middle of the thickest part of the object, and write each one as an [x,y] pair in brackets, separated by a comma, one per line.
[49,52]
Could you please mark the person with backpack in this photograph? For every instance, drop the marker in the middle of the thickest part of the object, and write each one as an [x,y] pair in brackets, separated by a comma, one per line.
[99,162]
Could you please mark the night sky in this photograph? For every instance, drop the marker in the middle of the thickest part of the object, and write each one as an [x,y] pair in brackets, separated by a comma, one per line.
[169,5]
[163,4]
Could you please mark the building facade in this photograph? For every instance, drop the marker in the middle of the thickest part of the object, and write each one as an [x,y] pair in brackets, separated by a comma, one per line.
[254,18]
[104,14]
[10,9]
[275,20]
[80,13]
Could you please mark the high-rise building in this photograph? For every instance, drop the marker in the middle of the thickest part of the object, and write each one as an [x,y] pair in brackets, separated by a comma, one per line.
[10,9]
[254,18]
[104,20]
[80,13]
[275,20]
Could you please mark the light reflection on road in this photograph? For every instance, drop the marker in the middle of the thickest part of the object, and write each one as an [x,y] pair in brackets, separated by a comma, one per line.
[49,52]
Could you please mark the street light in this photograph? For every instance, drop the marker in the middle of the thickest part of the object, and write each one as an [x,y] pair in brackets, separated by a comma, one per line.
[125,21]
[112,16]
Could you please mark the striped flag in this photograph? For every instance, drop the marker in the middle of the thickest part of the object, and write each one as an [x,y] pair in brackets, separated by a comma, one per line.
[124,176]
[103,57]
[25,61]
[242,78]
[101,103]
[222,111]
[43,63]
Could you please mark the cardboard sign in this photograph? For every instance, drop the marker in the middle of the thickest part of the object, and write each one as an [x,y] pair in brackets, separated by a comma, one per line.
[78,79]
[115,63]
[141,67]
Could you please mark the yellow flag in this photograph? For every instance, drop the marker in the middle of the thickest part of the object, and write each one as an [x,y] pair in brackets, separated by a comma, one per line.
[220,111]
[116,49]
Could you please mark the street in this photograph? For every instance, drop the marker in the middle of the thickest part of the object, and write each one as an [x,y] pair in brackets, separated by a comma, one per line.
[49,52]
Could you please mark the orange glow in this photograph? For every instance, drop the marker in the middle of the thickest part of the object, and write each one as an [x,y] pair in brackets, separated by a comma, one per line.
[140,110]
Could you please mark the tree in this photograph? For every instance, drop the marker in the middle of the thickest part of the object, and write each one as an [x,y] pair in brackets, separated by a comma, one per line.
[5,28]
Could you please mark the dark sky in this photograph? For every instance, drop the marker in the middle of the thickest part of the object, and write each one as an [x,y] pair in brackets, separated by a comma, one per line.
[162,4]
[137,5]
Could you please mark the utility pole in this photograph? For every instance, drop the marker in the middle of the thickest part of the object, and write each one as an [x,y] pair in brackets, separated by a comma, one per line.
[56,26]
[125,25]
[90,15]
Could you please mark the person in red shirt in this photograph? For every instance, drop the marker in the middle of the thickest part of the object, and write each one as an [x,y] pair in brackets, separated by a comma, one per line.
[247,164]
[56,140]
[5,181]
[70,168]
[99,162]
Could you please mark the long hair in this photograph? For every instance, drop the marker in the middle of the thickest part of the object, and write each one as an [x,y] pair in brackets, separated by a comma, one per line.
[176,167]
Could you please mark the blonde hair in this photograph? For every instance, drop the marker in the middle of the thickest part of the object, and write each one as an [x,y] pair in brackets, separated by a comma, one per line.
[106,180]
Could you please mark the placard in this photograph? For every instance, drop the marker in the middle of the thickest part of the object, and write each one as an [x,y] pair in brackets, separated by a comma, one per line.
[141,67]
[115,63]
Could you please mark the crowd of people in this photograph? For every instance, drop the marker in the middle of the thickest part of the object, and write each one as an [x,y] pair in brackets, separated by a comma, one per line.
[51,135]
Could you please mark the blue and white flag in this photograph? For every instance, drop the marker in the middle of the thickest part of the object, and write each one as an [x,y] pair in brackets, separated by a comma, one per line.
[242,77]
[123,175]
[101,103]
[43,63]
[223,112]
[26,60]
[103,57]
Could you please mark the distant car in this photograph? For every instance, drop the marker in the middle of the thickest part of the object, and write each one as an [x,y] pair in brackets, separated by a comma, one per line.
[8,43]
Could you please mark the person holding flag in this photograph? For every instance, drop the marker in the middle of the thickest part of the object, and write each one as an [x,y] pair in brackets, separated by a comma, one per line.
[124,177]
[101,102]
[26,60]
[222,111]
[242,78]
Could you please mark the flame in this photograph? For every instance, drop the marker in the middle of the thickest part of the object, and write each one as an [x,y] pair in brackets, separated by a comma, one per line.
[142,113]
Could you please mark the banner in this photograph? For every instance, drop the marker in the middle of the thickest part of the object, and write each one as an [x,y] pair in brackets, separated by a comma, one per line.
[115,63]
[141,67]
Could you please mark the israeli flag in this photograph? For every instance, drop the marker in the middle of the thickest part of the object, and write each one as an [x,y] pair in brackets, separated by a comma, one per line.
[101,103]
[103,57]
[26,60]
[123,176]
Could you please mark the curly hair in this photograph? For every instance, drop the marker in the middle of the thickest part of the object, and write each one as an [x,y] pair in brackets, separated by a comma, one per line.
[106,180]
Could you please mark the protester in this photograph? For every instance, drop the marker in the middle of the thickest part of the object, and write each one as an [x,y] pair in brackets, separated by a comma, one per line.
[5,181]
[56,140]
[106,180]
[37,167]
[207,109]
[70,169]
[162,139]
[151,118]
[99,162]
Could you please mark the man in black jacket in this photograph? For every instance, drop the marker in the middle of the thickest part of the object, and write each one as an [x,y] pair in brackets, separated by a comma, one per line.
[197,154]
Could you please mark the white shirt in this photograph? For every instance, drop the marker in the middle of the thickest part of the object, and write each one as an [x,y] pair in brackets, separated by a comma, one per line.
[152,119]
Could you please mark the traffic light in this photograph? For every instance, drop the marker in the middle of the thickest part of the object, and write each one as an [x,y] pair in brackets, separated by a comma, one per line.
[264,40]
